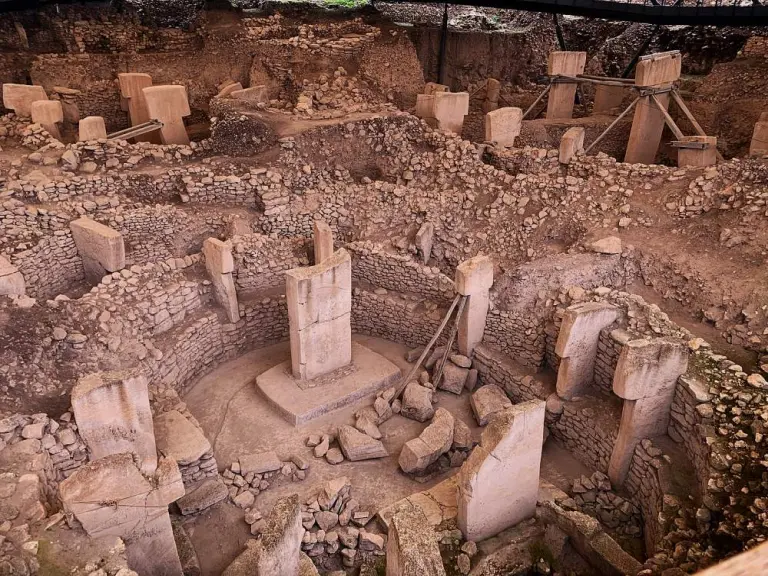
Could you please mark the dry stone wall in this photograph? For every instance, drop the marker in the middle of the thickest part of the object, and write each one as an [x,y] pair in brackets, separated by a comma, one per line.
[520,336]
[50,267]
[260,261]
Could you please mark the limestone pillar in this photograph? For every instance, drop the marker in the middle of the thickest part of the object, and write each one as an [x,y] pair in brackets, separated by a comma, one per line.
[652,71]
[699,157]
[48,113]
[577,345]
[431,88]
[492,94]
[607,98]
[450,108]
[91,128]
[759,144]
[502,126]
[11,280]
[220,266]
[323,240]
[425,106]
[169,105]
[132,86]
[424,240]
[20,97]
[411,545]
[113,416]
[101,248]
[474,278]
[499,482]
[571,144]
[111,498]
[562,95]
[645,376]
[319,313]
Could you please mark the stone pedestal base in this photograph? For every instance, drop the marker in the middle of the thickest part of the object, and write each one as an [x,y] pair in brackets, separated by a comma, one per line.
[299,401]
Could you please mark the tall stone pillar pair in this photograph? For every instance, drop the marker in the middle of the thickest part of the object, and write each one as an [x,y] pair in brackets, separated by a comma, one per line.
[145,102]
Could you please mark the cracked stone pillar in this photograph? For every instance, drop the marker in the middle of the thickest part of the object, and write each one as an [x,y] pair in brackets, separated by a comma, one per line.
[503,125]
[132,101]
[113,416]
[577,345]
[450,108]
[91,128]
[101,248]
[411,545]
[499,482]
[323,239]
[319,314]
[562,95]
[110,497]
[474,278]
[759,144]
[220,266]
[645,377]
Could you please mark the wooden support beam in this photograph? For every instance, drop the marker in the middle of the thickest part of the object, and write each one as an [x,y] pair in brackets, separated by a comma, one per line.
[667,118]
[451,338]
[692,119]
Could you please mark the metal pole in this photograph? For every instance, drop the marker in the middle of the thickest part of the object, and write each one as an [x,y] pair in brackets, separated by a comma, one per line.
[443,41]
[619,117]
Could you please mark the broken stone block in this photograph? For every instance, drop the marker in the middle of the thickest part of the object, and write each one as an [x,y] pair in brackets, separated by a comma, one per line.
[607,245]
[113,416]
[425,106]
[334,456]
[424,240]
[20,97]
[411,544]
[474,278]
[488,400]
[11,280]
[434,441]
[453,378]
[499,482]
[571,144]
[48,113]
[503,125]
[101,248]
[202,496]
[176,437]
[462,435]
[228,89]
[358,446]
[91,128]
[260,463]
[323,241]
[417,402]
[255,94]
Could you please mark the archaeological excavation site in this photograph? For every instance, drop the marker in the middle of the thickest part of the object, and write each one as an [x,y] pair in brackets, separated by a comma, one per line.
[355,288]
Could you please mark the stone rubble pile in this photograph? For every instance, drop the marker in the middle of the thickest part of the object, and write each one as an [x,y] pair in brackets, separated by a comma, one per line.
[594,496]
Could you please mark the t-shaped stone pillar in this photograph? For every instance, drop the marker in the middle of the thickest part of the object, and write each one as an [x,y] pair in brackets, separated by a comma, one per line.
[450,108]
[645,376]
[577,345]
[169,105]
[19,97]
[132,85]
[91,128]
[474,278]
[503,125]
[220,266]
[562,95]
[48,113]
[323,238]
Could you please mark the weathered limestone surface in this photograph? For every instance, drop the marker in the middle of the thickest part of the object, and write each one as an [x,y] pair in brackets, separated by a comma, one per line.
[759,144]
[319,308]
[435,440]
[358,446]
[278,550]
[411,545]
[132,86]
[204,495]
[431,88]
[696,157]
[487,401]
[425,106]
[11,280]
[474,278]
[169,105]
[424,239]
[607,99]
[176,437]
[101,248]
[571,144]
[323,240]
[111,498]
[450,108]
[503,125]
[113,416]
[499,482]
[577,345]
[19,97]
[48,113]
[253,94]
[417,402]
[645,376]
[562,95]
[91,128]
[220,266]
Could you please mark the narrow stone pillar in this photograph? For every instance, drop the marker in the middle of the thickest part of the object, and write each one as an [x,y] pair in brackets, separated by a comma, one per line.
[474,278]
[220,266]
[425,106]
[11,280]
[48,113]
[132,86]
[323,239]
[411,545]
[169,105]
[562,95]
[492,94]
[577,345]
[652,71]
[502,126]
[645,376]
[450,109]
[91,128]
[101,248]
[759,144]
[20,97]
[698,157]
[571,144]
[113,416]
[499,482]
[319,313]
[110,497]
[607,99]
[424,239]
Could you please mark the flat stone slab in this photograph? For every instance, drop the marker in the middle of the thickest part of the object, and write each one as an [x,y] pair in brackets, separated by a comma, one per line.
[260,463]
[203,496]
[178,438]
[488,400]
[299,401]
[358,446]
